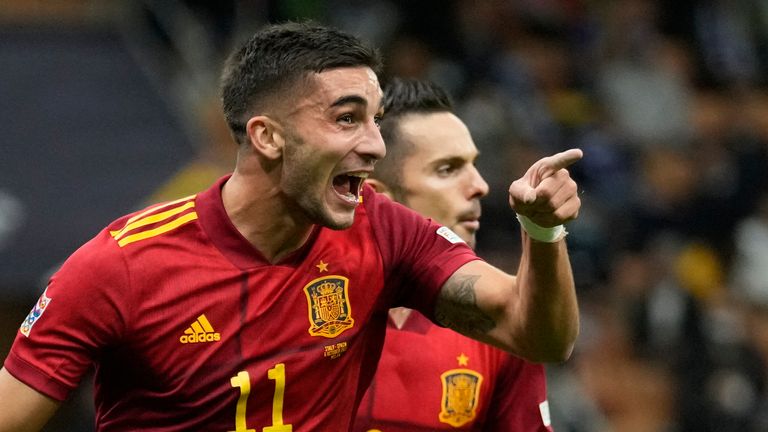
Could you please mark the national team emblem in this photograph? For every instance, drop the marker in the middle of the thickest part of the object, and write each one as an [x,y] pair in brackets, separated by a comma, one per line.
[461,390]
[35,313]
[329,310]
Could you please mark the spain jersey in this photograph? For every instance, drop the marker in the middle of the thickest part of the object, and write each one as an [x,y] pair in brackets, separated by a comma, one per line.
[191,329]
[431,378]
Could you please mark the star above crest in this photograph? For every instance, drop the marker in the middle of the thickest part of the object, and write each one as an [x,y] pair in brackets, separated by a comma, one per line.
[462,359]
[322,266]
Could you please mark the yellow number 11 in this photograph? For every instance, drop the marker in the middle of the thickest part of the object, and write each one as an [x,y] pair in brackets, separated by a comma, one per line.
[243,381]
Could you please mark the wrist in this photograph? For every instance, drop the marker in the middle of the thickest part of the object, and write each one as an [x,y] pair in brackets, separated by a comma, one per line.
[540,233]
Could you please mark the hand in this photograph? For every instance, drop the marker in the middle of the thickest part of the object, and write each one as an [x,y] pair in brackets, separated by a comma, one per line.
[547,194]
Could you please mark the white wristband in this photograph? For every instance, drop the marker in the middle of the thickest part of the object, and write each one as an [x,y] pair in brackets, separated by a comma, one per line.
[539,233]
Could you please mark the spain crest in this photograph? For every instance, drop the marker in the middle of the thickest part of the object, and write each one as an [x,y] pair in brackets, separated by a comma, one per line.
[461,390]
[328,302]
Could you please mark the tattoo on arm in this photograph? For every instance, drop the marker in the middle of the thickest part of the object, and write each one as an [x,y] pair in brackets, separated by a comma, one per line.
[457,307]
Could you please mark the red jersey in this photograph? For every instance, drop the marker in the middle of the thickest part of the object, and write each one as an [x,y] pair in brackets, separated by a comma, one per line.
[191,329]
[431,378]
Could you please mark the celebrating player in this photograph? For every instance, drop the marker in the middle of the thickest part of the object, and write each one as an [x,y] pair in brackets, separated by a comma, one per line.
[261,303]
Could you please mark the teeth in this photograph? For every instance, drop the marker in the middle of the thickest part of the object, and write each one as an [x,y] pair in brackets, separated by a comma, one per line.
[362,175]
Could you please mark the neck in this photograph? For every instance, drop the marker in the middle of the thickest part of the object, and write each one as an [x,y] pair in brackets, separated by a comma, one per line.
[259,213]
[399,316]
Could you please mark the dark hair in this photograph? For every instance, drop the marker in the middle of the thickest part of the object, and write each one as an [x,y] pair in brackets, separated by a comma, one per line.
[408,95]
[277,57]
[403,96]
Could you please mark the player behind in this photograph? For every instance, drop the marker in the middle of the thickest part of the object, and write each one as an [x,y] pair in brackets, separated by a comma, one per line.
[431,378]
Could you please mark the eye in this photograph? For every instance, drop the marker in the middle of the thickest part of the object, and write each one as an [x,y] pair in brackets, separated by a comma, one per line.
[377,119]
[446,170]
[346,118]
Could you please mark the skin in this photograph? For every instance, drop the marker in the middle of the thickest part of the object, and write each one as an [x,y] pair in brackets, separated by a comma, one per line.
[283,181]
[534,314]
[24,409]
[282,186]
[439,178]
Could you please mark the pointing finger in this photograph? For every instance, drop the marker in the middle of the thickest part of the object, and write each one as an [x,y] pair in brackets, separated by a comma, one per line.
[563,159]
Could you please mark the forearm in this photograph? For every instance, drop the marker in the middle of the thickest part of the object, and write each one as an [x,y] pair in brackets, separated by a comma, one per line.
[22,408]
[546,308]
[533,315]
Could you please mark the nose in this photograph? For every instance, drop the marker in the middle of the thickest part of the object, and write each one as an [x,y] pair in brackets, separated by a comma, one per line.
[372,146]
[478,186]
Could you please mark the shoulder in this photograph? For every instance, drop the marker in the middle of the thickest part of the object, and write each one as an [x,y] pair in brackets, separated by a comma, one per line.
[383,206]
[153,221]
[388,215]
[106,252]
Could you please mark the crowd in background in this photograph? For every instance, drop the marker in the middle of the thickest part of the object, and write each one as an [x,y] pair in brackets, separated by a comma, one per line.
[668,100]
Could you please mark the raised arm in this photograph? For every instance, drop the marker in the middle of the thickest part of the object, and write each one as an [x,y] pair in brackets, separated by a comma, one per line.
[22,409]
[534,314]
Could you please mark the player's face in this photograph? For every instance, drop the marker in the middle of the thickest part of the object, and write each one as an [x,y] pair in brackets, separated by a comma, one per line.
[439,178]
[332,144]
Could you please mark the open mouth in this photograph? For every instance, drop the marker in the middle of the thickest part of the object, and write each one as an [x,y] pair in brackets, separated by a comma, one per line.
[349,185]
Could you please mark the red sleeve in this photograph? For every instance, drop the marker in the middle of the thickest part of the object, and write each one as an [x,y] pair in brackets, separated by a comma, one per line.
[419,255]
[81,311]
[519,401]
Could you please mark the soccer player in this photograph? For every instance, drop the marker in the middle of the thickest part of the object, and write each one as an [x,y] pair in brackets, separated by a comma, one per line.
[261,302]
[431,378]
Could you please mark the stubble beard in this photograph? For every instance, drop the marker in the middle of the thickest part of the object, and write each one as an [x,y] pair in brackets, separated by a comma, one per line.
[301,188]
[314,208]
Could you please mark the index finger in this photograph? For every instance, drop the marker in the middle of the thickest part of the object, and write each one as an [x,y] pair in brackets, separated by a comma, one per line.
[564,159]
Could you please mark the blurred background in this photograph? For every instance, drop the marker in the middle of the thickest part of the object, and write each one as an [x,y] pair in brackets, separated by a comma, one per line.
[109,105]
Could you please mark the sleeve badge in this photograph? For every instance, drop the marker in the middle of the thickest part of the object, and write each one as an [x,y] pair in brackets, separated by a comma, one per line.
[35,313]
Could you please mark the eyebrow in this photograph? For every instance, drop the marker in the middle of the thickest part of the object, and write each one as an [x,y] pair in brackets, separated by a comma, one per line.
[449,160]
[351,99]
[455,159]
[354,99]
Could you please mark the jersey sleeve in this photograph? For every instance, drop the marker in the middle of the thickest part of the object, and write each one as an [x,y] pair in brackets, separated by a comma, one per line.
[419,255]
[81,311]
[519,402]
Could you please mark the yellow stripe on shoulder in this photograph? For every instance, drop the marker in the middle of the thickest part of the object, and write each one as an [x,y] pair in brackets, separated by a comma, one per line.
[130,221]
[142,235]
[170,215]
[158,217]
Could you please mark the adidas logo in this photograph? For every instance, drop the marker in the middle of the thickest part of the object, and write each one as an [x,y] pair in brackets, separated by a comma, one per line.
[200,331]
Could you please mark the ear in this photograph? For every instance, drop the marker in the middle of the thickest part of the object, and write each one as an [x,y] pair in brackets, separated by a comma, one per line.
[265,136]
[380,187]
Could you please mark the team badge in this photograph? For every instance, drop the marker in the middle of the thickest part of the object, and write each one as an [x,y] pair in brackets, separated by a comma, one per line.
[461,390]
[329,310]
[35,313]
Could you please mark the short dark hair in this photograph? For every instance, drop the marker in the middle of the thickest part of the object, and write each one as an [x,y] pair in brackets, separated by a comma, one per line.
[276,58]
[403,96]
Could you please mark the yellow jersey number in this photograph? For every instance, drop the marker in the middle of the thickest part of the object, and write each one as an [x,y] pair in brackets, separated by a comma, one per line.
[243,381]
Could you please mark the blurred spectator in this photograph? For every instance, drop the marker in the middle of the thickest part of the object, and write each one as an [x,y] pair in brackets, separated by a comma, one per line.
[750,266]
